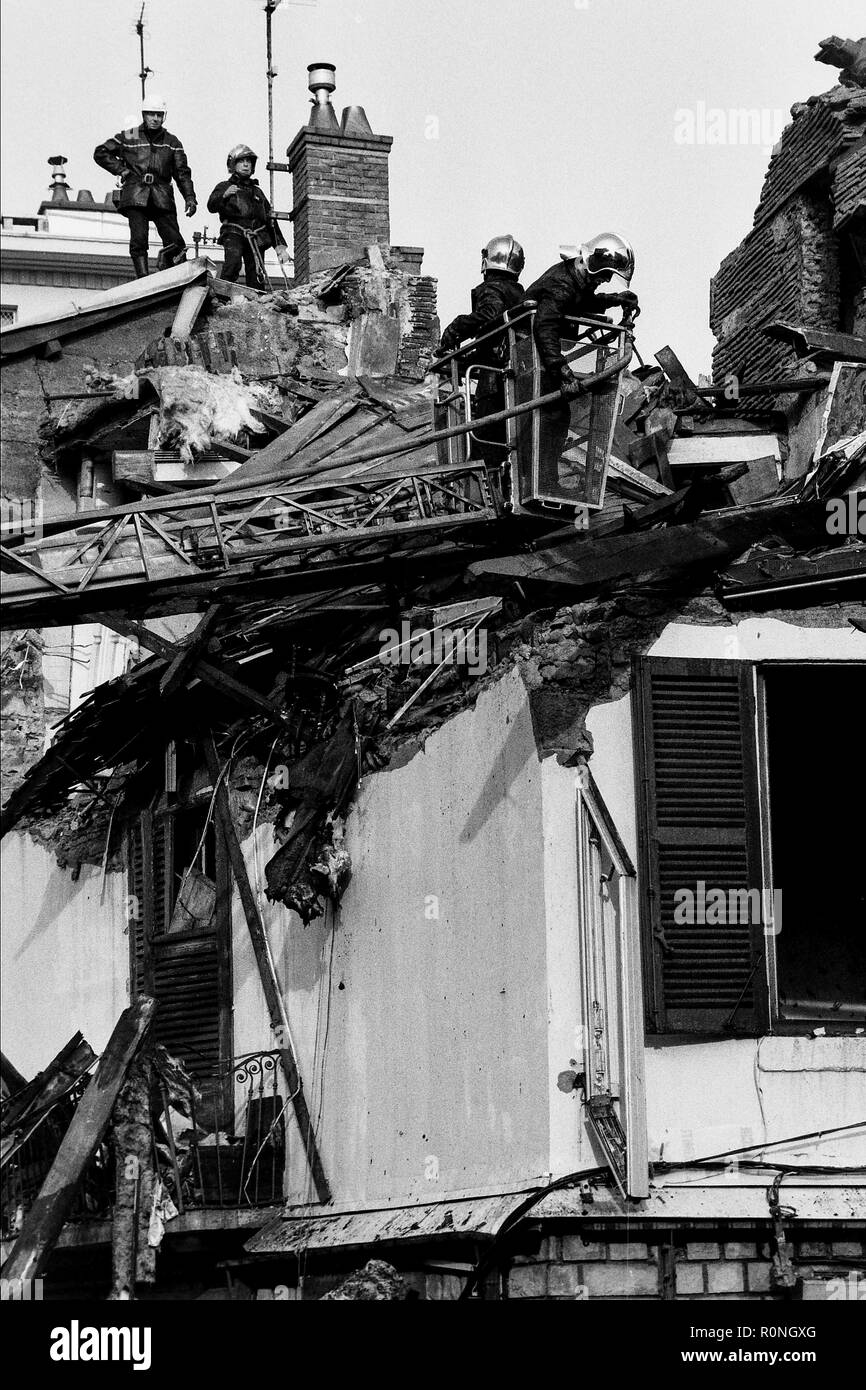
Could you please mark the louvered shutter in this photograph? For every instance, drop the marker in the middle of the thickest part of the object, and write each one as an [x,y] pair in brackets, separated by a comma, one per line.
[699,822]
[181,970]
[186,987]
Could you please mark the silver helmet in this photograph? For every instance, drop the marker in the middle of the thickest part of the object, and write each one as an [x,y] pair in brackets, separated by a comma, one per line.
[502,253]
[607,258]
[238,152]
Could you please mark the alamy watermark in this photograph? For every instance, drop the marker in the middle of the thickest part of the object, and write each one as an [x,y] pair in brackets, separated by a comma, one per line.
[22,1290]
[714,125]
[718,907]
[442,646]
[21,516]
[846,516]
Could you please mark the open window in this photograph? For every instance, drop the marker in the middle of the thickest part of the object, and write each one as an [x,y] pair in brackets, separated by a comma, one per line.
[751,838]
[614,1088]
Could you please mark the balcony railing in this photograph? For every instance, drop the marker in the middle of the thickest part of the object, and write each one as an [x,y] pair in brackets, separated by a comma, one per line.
[220,1143]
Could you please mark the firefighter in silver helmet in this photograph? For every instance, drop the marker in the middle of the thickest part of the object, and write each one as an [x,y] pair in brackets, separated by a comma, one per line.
[146,158]
[587,280]
[249,226]
[502,260]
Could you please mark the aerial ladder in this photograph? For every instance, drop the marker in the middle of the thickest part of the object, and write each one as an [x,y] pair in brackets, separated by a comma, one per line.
[495,479]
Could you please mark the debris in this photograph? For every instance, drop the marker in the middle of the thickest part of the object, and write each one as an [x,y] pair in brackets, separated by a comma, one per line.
[89,1122]
[376,1281]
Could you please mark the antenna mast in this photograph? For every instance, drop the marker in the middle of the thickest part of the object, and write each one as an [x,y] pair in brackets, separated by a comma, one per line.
[270,6]
[139,29]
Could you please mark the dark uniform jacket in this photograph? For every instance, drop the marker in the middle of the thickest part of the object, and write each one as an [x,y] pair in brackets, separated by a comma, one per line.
[150,160]
[246,207]
[497,292]
[562,290]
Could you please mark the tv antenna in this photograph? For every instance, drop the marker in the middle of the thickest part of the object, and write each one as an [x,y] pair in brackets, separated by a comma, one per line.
[139,29]
[270,6]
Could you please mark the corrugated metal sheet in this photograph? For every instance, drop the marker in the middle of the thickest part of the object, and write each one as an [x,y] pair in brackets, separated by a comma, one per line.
[474,1219]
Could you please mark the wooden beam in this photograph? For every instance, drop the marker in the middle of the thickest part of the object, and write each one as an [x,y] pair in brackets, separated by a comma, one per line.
[45,1219]
[181,665]
[215,676]
[806,339]
[677,376]
[188,310]
[267,972]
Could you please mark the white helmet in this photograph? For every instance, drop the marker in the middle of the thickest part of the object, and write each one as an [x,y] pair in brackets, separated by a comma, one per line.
[153,103]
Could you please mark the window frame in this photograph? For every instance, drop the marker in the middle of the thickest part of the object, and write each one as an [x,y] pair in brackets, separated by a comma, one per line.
[591,814]
[770,1019]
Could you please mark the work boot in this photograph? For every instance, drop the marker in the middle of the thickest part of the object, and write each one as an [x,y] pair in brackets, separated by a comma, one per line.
[170,256]
[141,266]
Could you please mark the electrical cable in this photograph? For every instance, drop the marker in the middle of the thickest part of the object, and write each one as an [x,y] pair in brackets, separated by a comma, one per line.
[570,1179]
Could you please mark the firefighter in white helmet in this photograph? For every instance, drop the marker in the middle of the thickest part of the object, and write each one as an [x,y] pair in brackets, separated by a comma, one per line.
[146,158]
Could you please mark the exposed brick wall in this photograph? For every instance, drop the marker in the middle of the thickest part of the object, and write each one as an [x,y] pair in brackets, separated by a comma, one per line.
[572,1261]
[713,1266]
[788,266]
[419,328]
[341,202]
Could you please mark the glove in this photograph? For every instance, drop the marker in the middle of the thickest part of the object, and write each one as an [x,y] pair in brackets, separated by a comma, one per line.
[190,207]
[450,341]
[283,255]
[627,298]
[569,383]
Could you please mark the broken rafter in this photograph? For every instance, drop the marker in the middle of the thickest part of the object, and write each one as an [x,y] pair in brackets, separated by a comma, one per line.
[46,1217]
[267,972]
[215,676]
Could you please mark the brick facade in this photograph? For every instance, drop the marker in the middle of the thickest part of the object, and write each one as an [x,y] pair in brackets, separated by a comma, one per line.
[341,198]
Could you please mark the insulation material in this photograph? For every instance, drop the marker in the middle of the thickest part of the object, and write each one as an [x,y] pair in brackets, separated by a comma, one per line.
[198,409]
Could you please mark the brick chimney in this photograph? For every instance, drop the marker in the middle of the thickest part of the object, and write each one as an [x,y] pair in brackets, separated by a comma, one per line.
[340,182]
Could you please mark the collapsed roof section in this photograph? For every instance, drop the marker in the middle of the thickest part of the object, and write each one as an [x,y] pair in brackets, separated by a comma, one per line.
[804,262]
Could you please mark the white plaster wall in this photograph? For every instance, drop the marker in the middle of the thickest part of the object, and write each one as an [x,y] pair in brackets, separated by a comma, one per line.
[423,1040]
[707,1097]
[65,954]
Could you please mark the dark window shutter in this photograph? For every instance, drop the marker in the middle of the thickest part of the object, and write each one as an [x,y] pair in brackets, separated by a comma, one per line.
[699,821]
[181,970]
[186,987]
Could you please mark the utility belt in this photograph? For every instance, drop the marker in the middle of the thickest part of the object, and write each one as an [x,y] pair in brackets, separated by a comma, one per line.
[236,229]
[251,236]
[149,179]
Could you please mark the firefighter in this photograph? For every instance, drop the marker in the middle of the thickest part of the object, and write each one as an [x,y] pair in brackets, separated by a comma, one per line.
[147,158]
[588,280]
[502,260]
[249,226]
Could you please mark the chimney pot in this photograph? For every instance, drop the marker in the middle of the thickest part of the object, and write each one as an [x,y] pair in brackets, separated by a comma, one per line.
[355,122]
[322,81]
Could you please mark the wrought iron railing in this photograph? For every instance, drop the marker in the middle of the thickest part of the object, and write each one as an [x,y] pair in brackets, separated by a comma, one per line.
[221,1142]
[234,1152]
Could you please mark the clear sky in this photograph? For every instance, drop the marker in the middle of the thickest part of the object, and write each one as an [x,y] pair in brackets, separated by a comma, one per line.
[550,119]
